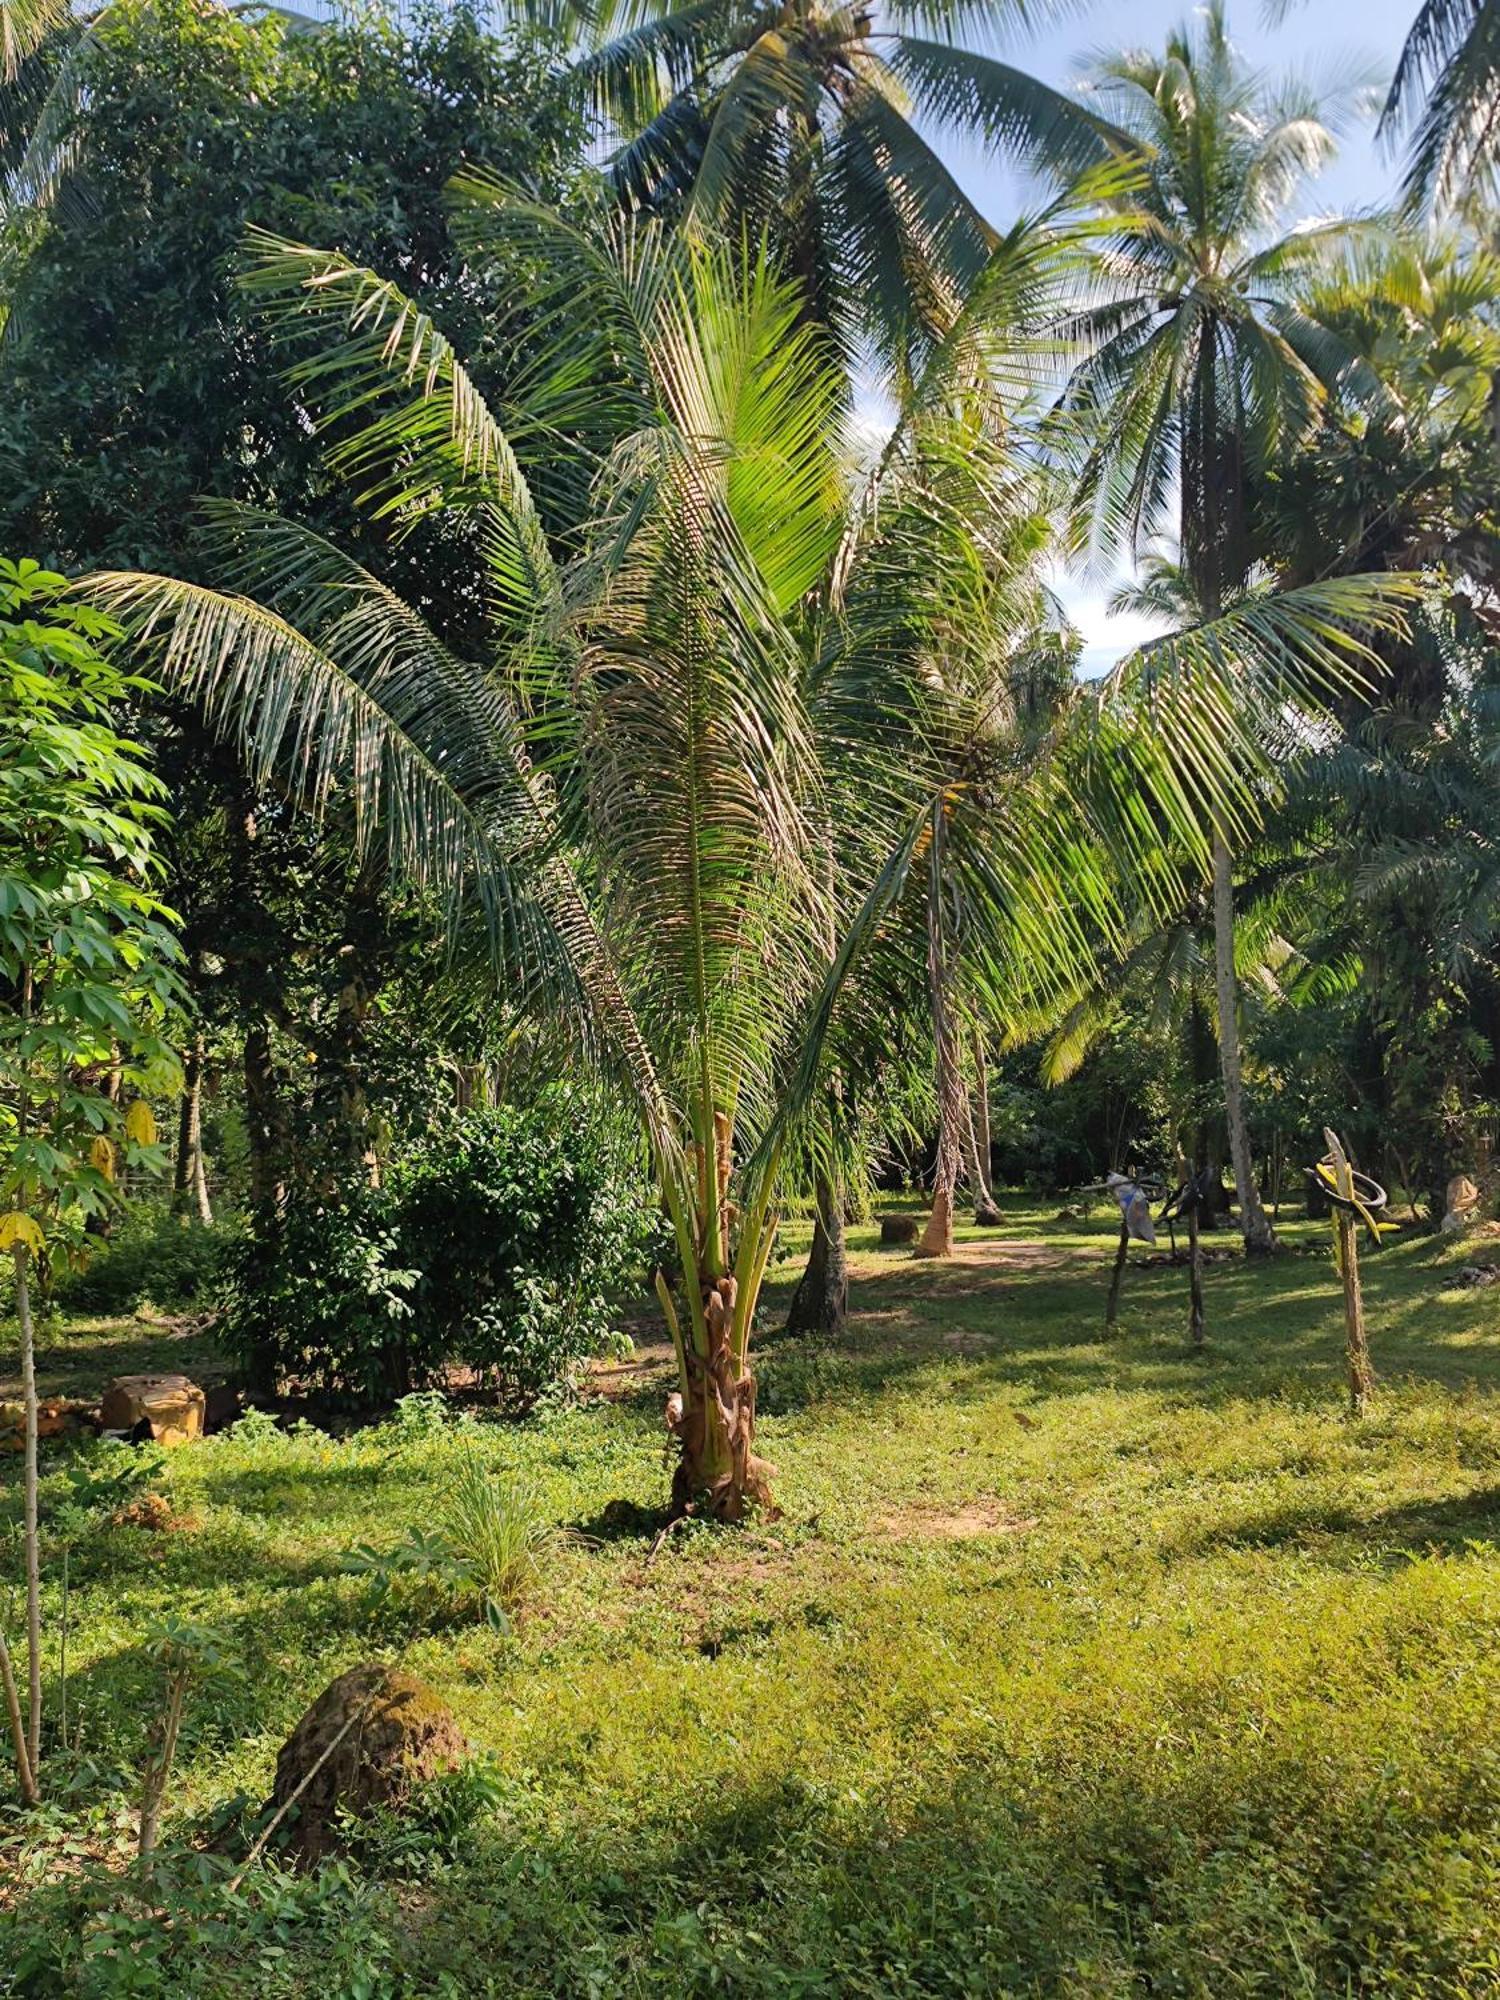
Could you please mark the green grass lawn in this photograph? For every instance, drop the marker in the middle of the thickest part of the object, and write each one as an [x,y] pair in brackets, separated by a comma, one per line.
[1077,1665]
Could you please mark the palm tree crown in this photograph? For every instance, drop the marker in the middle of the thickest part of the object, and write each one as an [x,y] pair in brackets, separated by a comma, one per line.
[1200,357]
[798,120]
[1453,56]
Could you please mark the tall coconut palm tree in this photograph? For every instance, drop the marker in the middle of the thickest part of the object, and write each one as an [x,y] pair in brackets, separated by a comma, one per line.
[636,787]
[1447,86]
[1200,360]
[801,120]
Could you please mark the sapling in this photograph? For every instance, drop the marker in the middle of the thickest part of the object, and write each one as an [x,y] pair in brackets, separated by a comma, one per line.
[188,1653]
[87,952]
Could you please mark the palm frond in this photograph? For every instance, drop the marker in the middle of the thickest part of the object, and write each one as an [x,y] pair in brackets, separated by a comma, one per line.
[24,26]
[1209,700]
[380,720]
[970,95]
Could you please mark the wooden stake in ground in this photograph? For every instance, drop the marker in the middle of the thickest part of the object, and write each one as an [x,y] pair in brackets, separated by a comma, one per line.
[1196,1324]
[1346,1239]
[1189,1203]
[1117,1276]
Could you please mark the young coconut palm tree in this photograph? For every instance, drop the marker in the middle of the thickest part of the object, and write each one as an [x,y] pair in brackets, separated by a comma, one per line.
[1201,362]
[689,775]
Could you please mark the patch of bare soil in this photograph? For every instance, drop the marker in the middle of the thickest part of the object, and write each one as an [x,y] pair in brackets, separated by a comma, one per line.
[930,1523]
[1026,1255]
[623,1378]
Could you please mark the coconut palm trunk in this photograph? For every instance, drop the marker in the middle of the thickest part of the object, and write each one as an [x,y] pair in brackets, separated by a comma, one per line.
[713,1413]
[190,1174]
[976,1113]
[982,1134]
[1255,1225]
[937,1238]
[820,1303]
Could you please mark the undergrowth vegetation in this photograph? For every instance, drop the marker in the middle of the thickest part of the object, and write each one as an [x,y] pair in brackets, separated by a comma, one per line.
[1076,1666]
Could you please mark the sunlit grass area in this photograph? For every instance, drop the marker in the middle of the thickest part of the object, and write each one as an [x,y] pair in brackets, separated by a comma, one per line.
[1075,1664]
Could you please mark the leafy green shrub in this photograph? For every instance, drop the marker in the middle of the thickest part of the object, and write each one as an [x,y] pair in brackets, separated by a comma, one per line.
[317,1292]
[502,1243]
[152,1256]
[526,1224]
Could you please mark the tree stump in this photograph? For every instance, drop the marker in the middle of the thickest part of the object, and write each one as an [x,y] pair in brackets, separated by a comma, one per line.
[170,1406]
[369,1740]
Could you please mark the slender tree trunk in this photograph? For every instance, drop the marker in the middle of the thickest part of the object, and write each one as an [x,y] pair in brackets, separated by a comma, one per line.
[937,1238]
[985,1212]
[982,1109]
[1254,1226]
[29,1514]
[820,1303]
[189,1175]
[27,1782]
[201,1200]
[344,1110]
[158,1773]
[1204,1064]
[977,1118]
[264,1116]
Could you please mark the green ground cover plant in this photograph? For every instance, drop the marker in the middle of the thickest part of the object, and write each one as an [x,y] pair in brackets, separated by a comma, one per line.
[1077,1665]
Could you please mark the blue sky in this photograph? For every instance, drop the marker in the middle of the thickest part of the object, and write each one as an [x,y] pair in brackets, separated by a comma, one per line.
[1315,36]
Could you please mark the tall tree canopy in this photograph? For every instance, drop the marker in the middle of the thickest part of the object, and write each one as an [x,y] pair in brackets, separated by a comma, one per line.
[134,383]
[1201,360]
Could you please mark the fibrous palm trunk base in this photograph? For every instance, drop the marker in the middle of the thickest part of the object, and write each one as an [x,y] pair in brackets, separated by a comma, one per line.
[718,1474]
[937,1237]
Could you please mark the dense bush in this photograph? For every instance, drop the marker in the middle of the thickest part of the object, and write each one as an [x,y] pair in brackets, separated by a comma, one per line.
[151,1257]
[502,1244]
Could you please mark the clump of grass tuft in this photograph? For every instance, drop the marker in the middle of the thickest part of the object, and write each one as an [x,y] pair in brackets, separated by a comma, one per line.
[498,1529]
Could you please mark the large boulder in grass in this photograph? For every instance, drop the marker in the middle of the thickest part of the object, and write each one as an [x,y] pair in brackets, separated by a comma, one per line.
[370,1740]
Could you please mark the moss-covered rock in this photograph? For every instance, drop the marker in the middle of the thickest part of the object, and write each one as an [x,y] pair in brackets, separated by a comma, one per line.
[369,1740]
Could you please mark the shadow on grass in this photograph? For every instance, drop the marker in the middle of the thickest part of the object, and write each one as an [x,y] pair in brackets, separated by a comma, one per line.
[82,1360]
[1449,1523]
[1153,1880]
